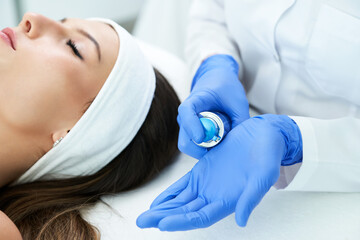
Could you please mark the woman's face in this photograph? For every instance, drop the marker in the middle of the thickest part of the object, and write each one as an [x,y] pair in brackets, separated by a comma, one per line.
[51,71]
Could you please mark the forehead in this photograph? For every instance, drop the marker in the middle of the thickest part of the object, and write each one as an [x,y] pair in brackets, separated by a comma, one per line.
[88,22]
[104,34]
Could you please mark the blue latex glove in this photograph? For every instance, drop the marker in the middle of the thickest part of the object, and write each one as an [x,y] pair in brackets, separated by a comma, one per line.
[216,88]
[234,176]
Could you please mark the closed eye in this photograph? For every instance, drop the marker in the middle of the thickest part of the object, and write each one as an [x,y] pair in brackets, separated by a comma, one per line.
[72,45]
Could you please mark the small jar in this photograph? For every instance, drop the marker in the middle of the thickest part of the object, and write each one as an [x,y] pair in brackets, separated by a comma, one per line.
[216,126]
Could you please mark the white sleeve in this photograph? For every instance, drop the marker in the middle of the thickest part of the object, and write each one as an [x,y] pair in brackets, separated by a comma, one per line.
[331,157]
[207,34]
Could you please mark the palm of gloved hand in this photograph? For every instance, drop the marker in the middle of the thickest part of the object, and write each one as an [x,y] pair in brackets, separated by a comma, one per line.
[216,88]
[234,175]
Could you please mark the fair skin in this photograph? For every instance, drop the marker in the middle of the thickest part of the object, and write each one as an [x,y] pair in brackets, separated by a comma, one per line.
[46,84]
[8,230]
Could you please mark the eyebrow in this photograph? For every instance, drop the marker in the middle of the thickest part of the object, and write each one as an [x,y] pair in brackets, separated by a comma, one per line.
[90,37]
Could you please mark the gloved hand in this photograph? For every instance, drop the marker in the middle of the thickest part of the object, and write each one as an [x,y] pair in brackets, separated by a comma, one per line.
[216,87]
[234,176]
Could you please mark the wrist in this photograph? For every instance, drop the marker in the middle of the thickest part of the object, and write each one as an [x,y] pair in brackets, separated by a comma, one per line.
[292,138]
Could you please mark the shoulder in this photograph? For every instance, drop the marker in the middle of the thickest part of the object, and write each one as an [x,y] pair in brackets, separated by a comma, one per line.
[8,230]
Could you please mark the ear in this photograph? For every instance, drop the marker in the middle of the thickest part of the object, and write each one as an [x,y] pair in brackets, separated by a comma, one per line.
[58,134]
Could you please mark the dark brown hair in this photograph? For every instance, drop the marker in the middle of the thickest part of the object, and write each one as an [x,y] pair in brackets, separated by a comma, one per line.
[51,209]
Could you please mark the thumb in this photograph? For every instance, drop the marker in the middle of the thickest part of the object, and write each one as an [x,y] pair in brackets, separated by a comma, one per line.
[249,199]
[188,119]
[187,146]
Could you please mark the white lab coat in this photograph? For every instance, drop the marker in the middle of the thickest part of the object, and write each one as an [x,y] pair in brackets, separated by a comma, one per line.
[300,58]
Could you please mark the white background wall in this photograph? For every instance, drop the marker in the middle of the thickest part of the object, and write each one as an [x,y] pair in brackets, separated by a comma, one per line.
[7,13]
[163,23]
[122,11]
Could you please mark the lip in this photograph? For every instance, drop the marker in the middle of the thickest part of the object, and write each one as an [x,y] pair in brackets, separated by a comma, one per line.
[8,35]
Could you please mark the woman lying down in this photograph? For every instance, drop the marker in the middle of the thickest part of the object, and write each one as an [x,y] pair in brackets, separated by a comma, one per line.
[83,114]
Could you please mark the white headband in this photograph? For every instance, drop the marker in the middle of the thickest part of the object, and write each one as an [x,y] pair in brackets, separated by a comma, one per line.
[110,123]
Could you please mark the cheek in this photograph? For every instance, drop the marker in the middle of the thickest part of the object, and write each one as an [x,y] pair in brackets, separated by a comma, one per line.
[41,93]
[6,58]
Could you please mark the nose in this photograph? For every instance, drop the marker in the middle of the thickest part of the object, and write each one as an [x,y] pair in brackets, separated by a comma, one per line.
[35,25]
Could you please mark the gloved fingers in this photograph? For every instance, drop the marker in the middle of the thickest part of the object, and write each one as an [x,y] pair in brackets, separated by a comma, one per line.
[188,113]
[237,119]
[174,206]
[254,191]
[237,111]
[192,206]
[235,107]
[202,218]
[152,217]
[173,191]
[183,198]
[187,146]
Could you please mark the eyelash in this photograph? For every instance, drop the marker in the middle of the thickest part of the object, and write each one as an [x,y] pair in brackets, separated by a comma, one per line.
[74,48]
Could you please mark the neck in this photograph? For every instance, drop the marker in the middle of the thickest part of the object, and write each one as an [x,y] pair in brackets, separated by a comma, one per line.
[18,153]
